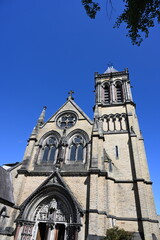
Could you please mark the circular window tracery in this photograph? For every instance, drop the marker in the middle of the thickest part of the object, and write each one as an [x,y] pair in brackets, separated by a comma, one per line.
[66,120]
[51,141]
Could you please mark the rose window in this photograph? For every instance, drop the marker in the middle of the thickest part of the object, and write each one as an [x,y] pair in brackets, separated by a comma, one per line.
[67,120]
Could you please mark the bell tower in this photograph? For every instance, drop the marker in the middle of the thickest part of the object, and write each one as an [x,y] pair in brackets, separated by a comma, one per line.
[112,88]
[118,154]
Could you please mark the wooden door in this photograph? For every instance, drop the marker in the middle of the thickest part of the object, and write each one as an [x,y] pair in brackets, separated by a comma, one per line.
[59,232]
[42,231]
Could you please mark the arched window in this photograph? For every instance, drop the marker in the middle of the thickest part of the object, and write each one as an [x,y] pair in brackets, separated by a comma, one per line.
[3,216]
[106,94]
[119,92]
[77,148]
[49,149]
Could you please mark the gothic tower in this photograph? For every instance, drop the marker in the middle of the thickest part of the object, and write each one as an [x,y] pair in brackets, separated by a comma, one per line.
[80,177]
[118,154]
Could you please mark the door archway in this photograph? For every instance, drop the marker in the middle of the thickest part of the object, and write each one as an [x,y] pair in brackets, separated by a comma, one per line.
[49,214]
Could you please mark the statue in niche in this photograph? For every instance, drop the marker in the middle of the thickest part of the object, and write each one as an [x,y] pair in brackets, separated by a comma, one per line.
[60,156]
[61,149]
[52,210]
[55,180]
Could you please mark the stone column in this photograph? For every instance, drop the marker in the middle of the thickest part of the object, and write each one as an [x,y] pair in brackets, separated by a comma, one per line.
[18,232]
[112,93]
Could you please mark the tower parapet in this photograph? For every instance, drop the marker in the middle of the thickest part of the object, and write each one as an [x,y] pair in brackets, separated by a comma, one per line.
[112,87]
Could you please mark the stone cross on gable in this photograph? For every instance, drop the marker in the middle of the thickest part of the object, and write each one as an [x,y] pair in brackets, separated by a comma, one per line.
[70,94]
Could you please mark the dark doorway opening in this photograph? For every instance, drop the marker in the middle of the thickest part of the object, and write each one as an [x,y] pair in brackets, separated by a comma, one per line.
[60,229]
[42,231]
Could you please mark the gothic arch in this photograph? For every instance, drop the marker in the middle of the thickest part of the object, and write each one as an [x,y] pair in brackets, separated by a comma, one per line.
[85,135]
[118,81]
[45,195]
[114,122]
[48,147]
[119,91]
[66,111]
[105,83]
[77,149]
[52,205]
[106,92]
[58,136]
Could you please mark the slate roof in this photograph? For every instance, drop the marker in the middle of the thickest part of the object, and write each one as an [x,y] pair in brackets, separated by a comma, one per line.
[6,189]
[110,69]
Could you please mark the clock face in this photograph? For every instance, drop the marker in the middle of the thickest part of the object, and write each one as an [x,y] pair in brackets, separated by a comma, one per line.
[66,120]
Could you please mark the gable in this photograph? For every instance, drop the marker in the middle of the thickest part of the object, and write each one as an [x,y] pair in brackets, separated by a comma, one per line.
[53,187]
[70,108]
[70,105]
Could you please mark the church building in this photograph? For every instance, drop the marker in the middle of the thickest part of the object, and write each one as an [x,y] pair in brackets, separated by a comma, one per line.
[80,177]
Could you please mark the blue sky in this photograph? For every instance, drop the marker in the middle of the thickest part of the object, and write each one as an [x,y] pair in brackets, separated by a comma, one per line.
[49,47]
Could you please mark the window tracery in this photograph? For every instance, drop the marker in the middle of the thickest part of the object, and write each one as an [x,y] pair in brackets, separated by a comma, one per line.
[49,149]
[66,120]
[77,148]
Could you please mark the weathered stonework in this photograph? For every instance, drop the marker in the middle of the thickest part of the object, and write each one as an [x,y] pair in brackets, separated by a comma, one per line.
[80,177]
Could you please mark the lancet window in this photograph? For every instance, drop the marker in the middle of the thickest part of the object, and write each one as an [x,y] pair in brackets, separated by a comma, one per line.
[49,149]
[77,148]
[119,92]
[106,94]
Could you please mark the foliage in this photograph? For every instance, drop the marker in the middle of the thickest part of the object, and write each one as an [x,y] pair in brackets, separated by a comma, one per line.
[116,233]
[90,7]
[139,16]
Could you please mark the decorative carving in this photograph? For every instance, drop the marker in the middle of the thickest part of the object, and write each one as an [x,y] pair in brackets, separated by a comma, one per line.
[66,120]
[114,122]
[55,211]
[61,152]
[43,213]
[56,207]
[27,232]
[55,180]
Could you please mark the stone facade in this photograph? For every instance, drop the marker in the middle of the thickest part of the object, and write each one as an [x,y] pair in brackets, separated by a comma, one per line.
[80,177]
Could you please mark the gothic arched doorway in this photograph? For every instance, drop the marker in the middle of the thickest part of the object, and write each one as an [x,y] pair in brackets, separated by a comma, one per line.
[45,233]
[51,214]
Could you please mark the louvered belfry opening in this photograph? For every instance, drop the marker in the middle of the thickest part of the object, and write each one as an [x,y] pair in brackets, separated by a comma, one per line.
[119,92]
[106,94]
